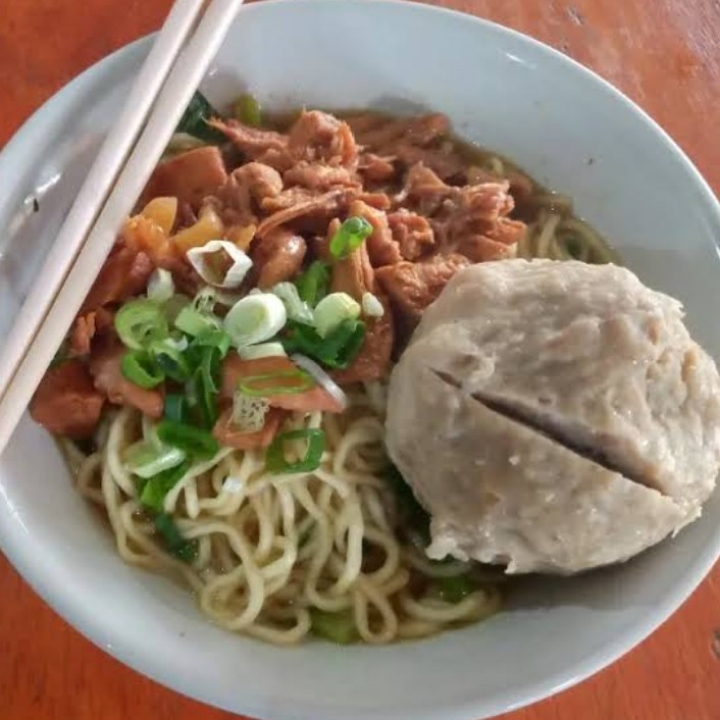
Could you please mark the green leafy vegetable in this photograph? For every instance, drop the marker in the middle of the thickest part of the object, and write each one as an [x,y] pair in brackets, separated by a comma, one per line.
[314,283]
[194,441]
[140,368]
[349,237]
[185,550]
[275,458]
[194,120]
[338,627]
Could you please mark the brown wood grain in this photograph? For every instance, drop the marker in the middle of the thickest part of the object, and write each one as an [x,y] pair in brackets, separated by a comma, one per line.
[665,55]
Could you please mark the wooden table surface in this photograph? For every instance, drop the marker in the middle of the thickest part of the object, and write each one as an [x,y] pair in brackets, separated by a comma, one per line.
[665,54]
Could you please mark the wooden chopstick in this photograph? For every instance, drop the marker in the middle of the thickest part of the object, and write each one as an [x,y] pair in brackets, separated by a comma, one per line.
[113,153]
[63,295]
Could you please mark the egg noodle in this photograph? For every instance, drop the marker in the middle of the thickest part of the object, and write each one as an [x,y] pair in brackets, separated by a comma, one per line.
[274,551]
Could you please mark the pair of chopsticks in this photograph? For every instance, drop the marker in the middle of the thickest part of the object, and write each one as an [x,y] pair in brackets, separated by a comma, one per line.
[178,60]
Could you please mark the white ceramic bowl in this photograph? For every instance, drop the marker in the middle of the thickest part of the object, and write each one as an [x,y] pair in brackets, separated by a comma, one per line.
[564,125]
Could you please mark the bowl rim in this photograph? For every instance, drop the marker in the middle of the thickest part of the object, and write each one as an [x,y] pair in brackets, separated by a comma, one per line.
[103,634]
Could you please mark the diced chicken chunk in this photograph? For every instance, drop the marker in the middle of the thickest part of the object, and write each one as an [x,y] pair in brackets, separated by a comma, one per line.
[66,403]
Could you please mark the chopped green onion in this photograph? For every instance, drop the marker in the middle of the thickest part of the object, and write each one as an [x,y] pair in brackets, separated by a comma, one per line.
[173,306]
[371,306]
[177,545]
[194,323]
[160,286]
[313,284]
[263,350]
[194,441]
[140,368]
[211,263]
[175,407]
[296,308]
[145,459]
[272,383]
[275,458]
[141,322]
[194,120]
[332,311]
[205,300]
[456,587]
[247,110]
[202,390]
[217,339]
[171,361]
[349,237]
[337,350]
[343,344]
[254,319]
[155,488]
[338,627]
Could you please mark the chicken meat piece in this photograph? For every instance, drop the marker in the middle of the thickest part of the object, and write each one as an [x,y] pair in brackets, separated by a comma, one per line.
[581,421]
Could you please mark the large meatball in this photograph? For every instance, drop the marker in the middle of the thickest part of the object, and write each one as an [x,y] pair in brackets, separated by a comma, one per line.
[554,416]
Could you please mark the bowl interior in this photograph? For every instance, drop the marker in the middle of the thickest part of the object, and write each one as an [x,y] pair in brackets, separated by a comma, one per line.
[559,122]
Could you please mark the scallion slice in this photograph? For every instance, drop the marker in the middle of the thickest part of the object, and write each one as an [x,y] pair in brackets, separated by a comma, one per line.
[297,309]
[140,368]
[255,319]
[141,322]
[160,286]
[338,627]
[332,311]
[217,339]
[171,361]
[337,350]
[349,237]
[158,486]
[175,407]
[177,545]
[371,306]
[174,305]
[192,322]
[194,441]
[275,458]
[456,587]
[202,390]
[263,350]
[313,284]
[247,110]
[220,263]
[145,459]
